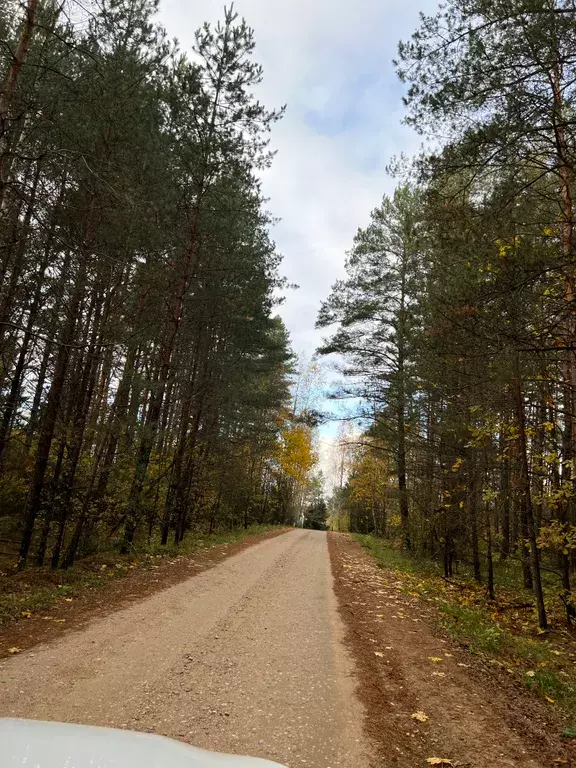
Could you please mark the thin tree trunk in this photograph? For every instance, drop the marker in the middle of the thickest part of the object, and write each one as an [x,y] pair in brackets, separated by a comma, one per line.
[401,454]
[48,509]
[489,557]
[11,403]
[526,497]
[473,505]
[504,498]
[48,347]
[8,90]
[17,265]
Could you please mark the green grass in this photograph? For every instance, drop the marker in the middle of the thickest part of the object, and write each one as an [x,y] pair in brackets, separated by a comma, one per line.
[472,628]
[498,631]
[194,541]
[36,590]
[390,557]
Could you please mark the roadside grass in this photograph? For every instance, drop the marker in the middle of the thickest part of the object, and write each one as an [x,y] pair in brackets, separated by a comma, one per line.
[503,631]
[36,591]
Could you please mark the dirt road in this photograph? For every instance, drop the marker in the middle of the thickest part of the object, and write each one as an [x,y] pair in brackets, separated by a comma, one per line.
[245,658]
[252,657]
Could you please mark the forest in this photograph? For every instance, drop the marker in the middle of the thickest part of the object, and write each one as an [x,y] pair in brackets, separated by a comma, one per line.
[326,526]
[147,383]
[145,376]
[456,321]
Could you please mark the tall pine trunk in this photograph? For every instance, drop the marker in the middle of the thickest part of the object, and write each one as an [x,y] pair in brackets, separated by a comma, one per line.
[50,416]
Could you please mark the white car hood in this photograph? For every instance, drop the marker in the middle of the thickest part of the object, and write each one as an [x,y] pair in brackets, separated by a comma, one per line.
[37,744]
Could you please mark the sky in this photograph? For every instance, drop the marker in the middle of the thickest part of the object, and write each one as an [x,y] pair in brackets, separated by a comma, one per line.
[330,62]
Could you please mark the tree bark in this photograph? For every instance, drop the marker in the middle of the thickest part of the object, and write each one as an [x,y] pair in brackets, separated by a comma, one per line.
[504,498]
[526,496]
[7,94]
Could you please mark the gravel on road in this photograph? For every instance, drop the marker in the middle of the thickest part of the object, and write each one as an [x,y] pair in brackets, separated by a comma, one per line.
[247,658]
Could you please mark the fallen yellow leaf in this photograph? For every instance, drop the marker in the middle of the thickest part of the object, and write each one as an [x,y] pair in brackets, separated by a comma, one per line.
[26,614]
[549,699]
[14,650]
[378,653]
[420,716]
[439,761]
[435,659]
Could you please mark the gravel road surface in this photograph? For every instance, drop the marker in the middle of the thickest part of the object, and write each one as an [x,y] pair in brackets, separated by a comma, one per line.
[245,658]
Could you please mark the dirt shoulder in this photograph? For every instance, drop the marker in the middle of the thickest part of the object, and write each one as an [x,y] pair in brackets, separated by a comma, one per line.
[470,713]
[76,607]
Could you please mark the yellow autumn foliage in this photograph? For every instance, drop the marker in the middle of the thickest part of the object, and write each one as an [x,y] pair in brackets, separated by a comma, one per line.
[370,476]
[297,455]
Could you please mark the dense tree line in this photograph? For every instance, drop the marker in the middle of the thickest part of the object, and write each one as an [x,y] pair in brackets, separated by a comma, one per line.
[457,318]
[144,377]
